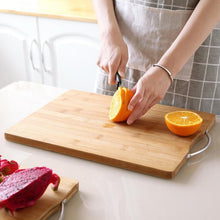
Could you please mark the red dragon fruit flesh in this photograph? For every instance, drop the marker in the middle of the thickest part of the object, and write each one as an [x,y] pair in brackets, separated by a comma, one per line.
[22,188]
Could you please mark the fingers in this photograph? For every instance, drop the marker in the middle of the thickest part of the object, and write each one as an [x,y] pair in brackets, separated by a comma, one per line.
[122,66]
[141,108]
[138,102]
[103,65]
[116,63]
[113,68]
[143,99]
[148,107]
[138,95]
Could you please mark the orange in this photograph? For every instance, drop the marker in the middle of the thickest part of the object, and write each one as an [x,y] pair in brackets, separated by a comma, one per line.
[183,123]
[119,105]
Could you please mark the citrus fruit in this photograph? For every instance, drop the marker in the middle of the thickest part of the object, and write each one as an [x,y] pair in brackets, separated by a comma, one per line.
[183,123]
[119,105]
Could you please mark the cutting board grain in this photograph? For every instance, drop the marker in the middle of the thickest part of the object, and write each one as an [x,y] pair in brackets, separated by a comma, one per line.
[77,124]
[49,203]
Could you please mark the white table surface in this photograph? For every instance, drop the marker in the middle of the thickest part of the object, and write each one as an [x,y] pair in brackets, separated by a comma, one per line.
[109,193]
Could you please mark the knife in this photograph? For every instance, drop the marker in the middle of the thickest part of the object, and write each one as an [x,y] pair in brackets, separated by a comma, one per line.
[118,79]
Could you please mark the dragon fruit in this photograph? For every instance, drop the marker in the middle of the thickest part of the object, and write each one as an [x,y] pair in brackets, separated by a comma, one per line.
[24,187]
[7,167]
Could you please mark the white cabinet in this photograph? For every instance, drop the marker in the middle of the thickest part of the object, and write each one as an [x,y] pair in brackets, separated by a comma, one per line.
[19,51]
[69,53]
[56,52]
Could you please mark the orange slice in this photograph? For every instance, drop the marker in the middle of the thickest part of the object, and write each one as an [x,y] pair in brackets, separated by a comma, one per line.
[183,123]
[119,105]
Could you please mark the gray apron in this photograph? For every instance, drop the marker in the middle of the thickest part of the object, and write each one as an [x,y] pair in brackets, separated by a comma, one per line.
[149,27]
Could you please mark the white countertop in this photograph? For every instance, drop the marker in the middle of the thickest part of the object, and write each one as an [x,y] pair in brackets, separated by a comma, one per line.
[109,193]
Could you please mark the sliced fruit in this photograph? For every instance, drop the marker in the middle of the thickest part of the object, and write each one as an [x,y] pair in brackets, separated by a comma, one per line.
[183,123]
[24,187]
[119,105]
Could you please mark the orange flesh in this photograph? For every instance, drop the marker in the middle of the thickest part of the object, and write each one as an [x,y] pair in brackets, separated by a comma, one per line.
[183,123]
[119,105]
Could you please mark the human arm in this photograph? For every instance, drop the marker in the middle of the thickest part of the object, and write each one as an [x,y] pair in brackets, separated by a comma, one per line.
[113,55]
[152,87]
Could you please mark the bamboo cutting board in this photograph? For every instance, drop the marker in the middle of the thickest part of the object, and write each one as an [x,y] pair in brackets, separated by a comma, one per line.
[49,203]
[77,124]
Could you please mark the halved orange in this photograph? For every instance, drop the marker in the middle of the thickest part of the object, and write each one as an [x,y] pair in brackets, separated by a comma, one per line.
[183,123]
[119,105]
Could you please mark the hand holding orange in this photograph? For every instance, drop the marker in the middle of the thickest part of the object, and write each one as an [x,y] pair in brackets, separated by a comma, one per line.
[119,105]
[183,123]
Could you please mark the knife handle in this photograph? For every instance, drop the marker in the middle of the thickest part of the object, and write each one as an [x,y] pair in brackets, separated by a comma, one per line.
[118,79]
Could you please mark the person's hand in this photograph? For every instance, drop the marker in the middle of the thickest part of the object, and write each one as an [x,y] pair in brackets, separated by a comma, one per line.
[149,90]
[113,56]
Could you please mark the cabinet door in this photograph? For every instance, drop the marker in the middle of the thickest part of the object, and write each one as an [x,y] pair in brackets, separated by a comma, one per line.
[70,51]
[18,48]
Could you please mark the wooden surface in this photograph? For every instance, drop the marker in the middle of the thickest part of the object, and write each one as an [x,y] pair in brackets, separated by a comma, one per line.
[79,10]
[77,124]
[49,203]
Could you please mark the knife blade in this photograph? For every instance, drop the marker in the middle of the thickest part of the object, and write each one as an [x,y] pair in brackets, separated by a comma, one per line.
[118,79]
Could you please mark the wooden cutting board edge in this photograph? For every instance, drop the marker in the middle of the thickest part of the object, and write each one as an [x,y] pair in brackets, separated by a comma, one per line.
[94,157]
